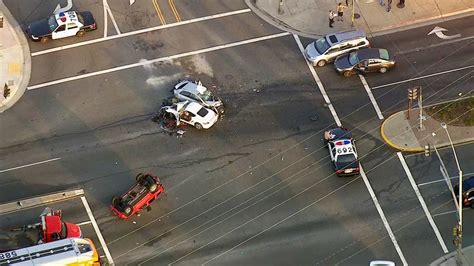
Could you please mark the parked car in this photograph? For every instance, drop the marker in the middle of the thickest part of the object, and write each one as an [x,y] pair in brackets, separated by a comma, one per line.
[327,48]
[364,61]
[191,113]
[146,189]
[187,90]
[61,25]
[468,192]
[342,151]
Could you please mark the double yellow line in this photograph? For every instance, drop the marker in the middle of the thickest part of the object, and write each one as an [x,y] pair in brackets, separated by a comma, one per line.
[175,12]
[160,13]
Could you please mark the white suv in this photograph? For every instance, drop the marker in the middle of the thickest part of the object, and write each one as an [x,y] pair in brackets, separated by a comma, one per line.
[326,49]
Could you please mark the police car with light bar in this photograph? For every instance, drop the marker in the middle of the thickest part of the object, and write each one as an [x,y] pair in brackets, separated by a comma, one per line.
[342,151]
[61,25]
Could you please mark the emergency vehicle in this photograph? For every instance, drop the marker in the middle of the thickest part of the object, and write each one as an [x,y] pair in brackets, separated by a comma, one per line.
[140,196]
[71,251]
[61,25]
[49,229]
[342,151]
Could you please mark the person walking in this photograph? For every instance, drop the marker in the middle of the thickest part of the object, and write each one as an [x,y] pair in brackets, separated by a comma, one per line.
[389,5]
[331,18]
[340,12]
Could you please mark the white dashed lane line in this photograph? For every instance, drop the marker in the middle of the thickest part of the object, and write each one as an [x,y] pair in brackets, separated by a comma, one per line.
[371,97]
[422,77]
[97,230]
[108,38]
[318,82]
[28,165]
[422,202]
[166,58]
[382,216]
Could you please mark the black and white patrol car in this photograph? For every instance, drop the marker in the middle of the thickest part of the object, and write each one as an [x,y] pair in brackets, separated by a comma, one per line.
[342,151]
[61,25]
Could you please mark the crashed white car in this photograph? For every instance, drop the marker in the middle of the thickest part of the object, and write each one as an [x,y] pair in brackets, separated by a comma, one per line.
[192,113]
[187,90]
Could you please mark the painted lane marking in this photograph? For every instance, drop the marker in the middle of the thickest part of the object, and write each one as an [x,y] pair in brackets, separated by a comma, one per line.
[166,58]
[441,180]
[260,215]
[112,17]
[158,12]
[422,77]
[318,82]
[419,49]
[97,230]
[60,48]
[450,212]
[371,97]
[382,216]
[105,20]
[28,165]
[84,223]
[422,202]
[175,11]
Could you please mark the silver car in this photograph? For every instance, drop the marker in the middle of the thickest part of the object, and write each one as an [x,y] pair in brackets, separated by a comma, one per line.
[327,48]
[187,90]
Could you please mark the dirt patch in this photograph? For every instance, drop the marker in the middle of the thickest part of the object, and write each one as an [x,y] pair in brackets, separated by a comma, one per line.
[457,113]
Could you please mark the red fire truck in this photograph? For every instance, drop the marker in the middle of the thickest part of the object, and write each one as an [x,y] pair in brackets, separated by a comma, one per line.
[50,228]
[146,189]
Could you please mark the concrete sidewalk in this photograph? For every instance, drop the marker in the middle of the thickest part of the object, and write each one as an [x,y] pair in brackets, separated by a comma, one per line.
[405,134]
[15,60]
[309,18]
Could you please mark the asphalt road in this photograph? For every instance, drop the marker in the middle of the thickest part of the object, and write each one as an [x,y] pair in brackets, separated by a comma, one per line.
[258,187]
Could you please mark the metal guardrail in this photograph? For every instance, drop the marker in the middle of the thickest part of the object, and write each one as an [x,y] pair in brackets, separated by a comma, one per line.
[32,202]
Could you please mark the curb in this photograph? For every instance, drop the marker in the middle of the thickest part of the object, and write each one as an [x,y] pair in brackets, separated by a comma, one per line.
[423,22]
[23,42]
[393,145]
[33,202]
[384,31]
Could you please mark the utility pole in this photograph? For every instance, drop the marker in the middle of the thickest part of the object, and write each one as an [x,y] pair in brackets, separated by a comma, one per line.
[420,105]
[457,230]
[353,10]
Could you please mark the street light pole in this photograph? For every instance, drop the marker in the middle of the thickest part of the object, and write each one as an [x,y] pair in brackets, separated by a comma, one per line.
[459,226]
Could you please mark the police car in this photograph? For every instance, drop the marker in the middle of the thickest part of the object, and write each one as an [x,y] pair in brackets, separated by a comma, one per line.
[342,151]
[61,25]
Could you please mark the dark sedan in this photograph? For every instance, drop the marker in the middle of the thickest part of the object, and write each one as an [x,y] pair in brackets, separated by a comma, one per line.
[364,61]
[468,192]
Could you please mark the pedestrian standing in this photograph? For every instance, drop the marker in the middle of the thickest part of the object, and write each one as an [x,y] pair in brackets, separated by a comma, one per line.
[381,2]
[389,5]
[347,3]
[340,12]
[331,18]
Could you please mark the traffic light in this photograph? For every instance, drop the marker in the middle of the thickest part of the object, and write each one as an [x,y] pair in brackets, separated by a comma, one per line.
[427,150]
[412,94]
[6,91]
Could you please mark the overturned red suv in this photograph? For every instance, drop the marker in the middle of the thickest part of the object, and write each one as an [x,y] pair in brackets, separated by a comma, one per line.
[140,196]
